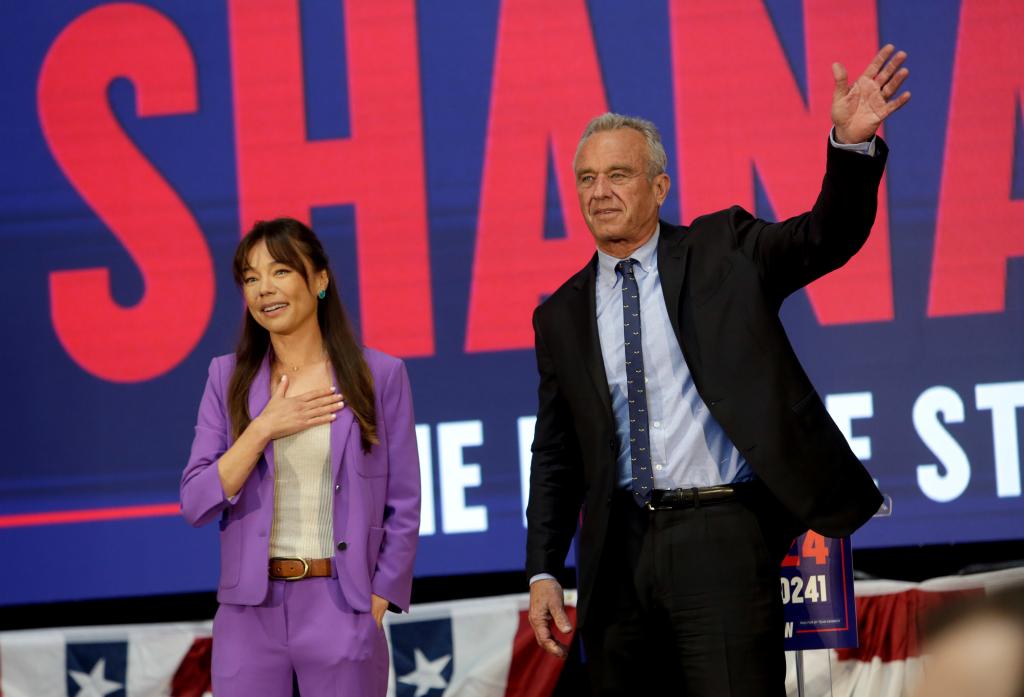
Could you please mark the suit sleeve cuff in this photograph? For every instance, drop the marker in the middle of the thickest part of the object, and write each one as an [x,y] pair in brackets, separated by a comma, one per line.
[202,496]
[867,148]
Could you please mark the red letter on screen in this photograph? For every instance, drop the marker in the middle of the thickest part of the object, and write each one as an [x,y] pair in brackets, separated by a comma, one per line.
[547,86]
[125,344]
[739,107]
[979,227]
[380,168]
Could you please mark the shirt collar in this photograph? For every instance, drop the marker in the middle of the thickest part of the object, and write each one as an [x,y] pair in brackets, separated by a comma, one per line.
[646,257]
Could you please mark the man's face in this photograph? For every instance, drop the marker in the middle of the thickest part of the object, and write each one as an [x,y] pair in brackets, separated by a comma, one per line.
[618,200]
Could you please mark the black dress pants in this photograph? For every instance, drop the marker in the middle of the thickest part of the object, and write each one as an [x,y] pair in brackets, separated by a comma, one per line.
[687,602]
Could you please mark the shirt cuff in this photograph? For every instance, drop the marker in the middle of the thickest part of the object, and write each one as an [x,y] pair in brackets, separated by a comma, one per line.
[541,577]
[867,148]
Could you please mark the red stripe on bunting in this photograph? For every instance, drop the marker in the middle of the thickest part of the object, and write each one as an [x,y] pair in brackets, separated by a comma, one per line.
[193,676]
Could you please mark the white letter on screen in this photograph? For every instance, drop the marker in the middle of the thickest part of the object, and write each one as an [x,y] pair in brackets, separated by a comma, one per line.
[457,476]
[526,425]
[936,485]
[844,408]
[1003,398]
[427,517]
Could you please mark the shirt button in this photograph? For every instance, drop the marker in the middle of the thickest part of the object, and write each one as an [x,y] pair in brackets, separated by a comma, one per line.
[659,467]
[337,488]
[342,546]
[657,424]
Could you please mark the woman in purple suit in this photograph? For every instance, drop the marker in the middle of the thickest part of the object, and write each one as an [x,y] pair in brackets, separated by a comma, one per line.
[305,454]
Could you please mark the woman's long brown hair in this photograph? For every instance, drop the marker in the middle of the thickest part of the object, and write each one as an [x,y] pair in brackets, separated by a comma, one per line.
[292,243]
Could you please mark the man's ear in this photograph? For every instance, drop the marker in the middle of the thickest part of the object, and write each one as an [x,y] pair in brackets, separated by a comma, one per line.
[662,184]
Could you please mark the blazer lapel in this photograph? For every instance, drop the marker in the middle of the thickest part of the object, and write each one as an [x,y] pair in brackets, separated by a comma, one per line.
[341,428]
[259,395]
[584,315]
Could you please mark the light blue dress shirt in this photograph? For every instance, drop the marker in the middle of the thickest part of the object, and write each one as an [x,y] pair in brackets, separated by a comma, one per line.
[688,447]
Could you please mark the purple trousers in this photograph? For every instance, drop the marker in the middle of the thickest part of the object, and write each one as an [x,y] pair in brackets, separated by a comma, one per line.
[303,626]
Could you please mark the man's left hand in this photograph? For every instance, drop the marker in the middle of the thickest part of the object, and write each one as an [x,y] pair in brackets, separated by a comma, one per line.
[858,111]
[378,606]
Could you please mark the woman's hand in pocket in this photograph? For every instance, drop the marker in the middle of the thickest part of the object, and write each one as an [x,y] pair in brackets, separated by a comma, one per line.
[378,606]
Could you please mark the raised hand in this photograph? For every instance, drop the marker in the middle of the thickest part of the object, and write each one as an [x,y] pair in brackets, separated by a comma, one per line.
[858,110]
[286,415]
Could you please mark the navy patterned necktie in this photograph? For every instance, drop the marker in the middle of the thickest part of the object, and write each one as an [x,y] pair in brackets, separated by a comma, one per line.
[636,392]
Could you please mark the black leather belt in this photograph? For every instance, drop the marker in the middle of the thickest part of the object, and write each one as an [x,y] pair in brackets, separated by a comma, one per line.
[669,499]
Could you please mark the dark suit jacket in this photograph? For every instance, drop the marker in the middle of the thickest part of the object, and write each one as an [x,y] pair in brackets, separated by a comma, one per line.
[724,278]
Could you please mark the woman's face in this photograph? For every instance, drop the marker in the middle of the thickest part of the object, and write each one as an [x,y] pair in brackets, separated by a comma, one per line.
[276,294]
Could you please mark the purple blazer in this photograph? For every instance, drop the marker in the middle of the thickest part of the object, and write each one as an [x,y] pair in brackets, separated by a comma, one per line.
[376,494]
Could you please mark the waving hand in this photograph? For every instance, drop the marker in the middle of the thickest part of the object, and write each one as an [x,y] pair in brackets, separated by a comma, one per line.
[858,110]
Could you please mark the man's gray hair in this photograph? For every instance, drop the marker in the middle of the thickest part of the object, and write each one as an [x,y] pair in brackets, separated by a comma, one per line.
[657,160]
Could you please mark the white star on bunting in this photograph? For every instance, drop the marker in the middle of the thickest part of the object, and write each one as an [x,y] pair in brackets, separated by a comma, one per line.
[94,683]
[427,675]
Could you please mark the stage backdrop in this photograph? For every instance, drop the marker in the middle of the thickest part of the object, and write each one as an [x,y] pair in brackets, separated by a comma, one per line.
[430,145]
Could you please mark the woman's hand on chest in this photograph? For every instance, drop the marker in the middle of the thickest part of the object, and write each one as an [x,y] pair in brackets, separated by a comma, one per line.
[289,412]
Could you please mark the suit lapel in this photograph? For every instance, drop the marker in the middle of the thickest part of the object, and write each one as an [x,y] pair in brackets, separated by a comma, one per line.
[584,316]
[672,254]
[259,395]
[341,429]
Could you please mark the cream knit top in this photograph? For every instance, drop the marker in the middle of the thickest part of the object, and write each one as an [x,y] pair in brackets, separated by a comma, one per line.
[302,495]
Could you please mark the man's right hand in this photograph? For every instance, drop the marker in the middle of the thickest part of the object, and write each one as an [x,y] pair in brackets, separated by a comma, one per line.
[546,604]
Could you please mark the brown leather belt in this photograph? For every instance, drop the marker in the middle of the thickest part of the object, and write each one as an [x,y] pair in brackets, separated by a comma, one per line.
[297,568]
[668,499]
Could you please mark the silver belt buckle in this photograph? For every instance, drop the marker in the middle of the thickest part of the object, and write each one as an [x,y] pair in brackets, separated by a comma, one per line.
[305,569]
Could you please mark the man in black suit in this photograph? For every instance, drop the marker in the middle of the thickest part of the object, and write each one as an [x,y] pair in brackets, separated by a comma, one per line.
[676,426]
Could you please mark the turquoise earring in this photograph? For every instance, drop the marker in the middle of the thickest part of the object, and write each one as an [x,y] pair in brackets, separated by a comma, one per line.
[322,294]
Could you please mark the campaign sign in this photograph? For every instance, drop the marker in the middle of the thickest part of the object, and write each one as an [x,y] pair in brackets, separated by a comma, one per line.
[817,594]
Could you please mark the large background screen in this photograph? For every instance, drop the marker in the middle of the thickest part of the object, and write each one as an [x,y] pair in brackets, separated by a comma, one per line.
[430,145]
